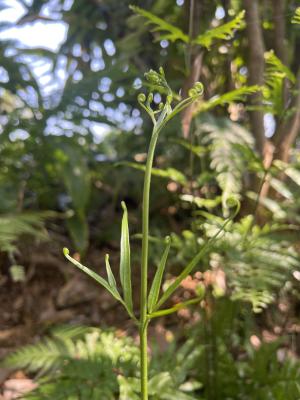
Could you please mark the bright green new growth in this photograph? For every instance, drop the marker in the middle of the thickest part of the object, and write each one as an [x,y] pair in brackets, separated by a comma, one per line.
[296,17]
[150,301]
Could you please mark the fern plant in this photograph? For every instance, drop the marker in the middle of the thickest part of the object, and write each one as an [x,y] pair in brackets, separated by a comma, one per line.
[296,17]
[228,143]
[76,360]
[256,261]
[14,227]
[170,32]
[275,75]
[73,360]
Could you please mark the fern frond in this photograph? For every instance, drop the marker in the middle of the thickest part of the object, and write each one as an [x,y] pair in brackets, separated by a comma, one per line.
[13,226]
[224,32]
[172,32]
[273,379]
[226,98]
[275,74]
[227,159]
[289,170]
[76,364]
[65,332]
[256,264]
[296,17]
[274,65]
[68,344]
[43,356]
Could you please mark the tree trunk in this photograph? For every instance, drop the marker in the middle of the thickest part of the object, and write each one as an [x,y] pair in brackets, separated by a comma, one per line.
[195,56]
[256,65]
[287,133]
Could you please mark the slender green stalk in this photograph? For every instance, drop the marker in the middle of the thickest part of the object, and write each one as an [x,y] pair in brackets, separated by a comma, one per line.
[164,113]
[144,268]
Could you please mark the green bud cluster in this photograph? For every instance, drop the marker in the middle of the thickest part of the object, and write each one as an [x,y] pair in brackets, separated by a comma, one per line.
[141,98]
[156,78]
[165,110]
[196,90]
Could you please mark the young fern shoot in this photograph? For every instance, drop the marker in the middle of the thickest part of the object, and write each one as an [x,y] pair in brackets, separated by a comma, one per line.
[150,303]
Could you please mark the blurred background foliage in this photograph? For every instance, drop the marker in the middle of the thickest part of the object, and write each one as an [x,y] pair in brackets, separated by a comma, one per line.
[72,146]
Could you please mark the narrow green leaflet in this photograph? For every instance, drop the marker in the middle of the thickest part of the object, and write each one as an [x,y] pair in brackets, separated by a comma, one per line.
[199,151]
[156,284]
[289,171]
[110,275]
[175,308]
[193,263]
[91,273]
[125,268]
[168,173]
[109,286]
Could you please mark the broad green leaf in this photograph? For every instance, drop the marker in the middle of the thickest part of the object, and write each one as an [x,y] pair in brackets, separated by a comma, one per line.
[225,31]
[79,231]
[156,284]
[110,275]
[74,170]
[125,267]
[91,273]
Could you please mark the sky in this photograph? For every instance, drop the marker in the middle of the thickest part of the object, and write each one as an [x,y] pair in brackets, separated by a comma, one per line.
[39,34]
[47,35]
[50,35]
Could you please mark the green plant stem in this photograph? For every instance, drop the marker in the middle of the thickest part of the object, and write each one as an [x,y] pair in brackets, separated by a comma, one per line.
[144,268]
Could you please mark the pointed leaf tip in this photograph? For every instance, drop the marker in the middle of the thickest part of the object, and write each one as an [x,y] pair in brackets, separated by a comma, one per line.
[156,284]
[66,251]
[125,267]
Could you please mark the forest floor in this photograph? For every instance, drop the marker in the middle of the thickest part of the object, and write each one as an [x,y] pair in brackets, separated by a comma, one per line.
[55,293]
